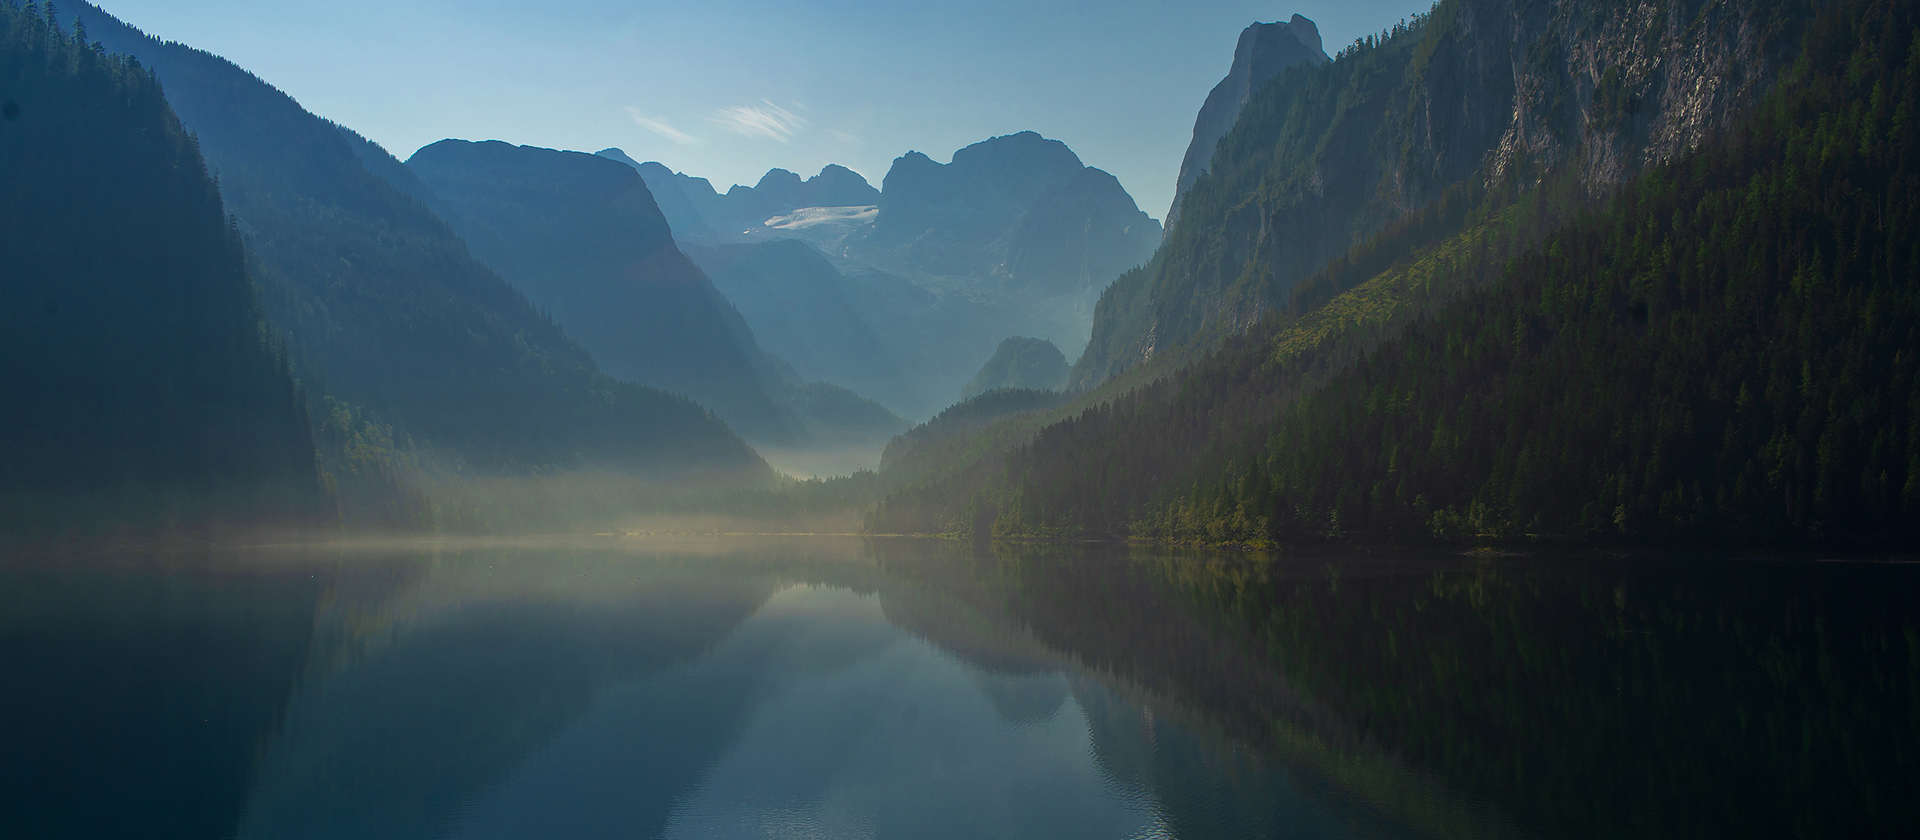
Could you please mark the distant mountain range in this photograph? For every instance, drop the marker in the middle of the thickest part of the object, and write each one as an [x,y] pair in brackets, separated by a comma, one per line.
[699,213]
[382,305]
[1014,236]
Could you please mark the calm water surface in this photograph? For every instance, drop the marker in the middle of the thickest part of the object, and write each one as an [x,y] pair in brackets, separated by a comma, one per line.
[841,688]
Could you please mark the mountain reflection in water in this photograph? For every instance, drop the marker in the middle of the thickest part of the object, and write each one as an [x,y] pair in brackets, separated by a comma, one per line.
[816,687]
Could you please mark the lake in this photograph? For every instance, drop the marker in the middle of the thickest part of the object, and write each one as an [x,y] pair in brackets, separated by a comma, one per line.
[816,687]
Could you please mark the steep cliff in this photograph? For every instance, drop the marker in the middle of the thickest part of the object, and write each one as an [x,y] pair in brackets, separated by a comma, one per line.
[1485,93]
[1263,51]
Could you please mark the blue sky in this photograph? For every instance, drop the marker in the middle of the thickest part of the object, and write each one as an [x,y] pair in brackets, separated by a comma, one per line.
[727,89]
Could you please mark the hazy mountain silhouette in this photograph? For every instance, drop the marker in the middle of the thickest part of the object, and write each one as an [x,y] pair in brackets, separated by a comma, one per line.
[699,213]
[379,296]
[582,237]
[1023,363]
[809,314]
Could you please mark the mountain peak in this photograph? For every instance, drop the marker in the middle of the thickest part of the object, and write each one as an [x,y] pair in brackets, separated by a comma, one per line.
[1263,51]
[1306,33]
[778,180]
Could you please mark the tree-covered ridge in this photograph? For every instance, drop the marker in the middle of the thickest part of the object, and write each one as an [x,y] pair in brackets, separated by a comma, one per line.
[140,387]
[1726,352]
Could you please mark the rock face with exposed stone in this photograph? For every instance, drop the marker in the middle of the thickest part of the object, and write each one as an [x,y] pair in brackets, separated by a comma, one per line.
[1265,49]
[1495,92]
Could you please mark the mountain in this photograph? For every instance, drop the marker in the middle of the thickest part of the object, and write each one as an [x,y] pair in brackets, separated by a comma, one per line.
[1324,416]
[1016,223]
[805,311]
[701,214]
[383,306]
[1264,50]
[672,196]
[1477,92]
[1724,354]
[1032,364]
[141,389]
[581,236]
[1076,238]
[1014,235]
[944,218]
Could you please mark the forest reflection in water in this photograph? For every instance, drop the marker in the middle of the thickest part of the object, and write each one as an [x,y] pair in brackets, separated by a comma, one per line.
[904,688]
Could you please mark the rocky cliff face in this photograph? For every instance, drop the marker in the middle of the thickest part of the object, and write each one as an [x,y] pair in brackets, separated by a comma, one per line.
[1264,50]
[1495,93]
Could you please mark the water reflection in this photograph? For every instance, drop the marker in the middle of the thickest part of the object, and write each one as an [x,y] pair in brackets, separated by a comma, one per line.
[891,688]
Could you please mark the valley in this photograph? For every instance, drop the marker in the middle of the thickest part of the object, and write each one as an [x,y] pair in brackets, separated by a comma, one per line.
[492,337]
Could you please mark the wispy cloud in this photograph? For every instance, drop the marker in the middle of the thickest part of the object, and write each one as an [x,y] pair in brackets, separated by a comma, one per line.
[764,120]
[845,137]
[661,128]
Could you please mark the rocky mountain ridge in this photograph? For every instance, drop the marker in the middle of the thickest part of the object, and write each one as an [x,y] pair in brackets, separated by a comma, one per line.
[1489,94]
[1015,235]
[1263,52]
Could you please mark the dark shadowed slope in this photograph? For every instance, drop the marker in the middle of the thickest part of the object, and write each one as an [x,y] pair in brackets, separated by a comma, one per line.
[672,195]
[378,294]
[139,386]
[582,237]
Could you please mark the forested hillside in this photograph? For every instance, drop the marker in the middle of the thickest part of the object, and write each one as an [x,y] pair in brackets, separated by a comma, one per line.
[1723,350]
[140,389]
[1493,92]
[383,307]
[1726,352]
